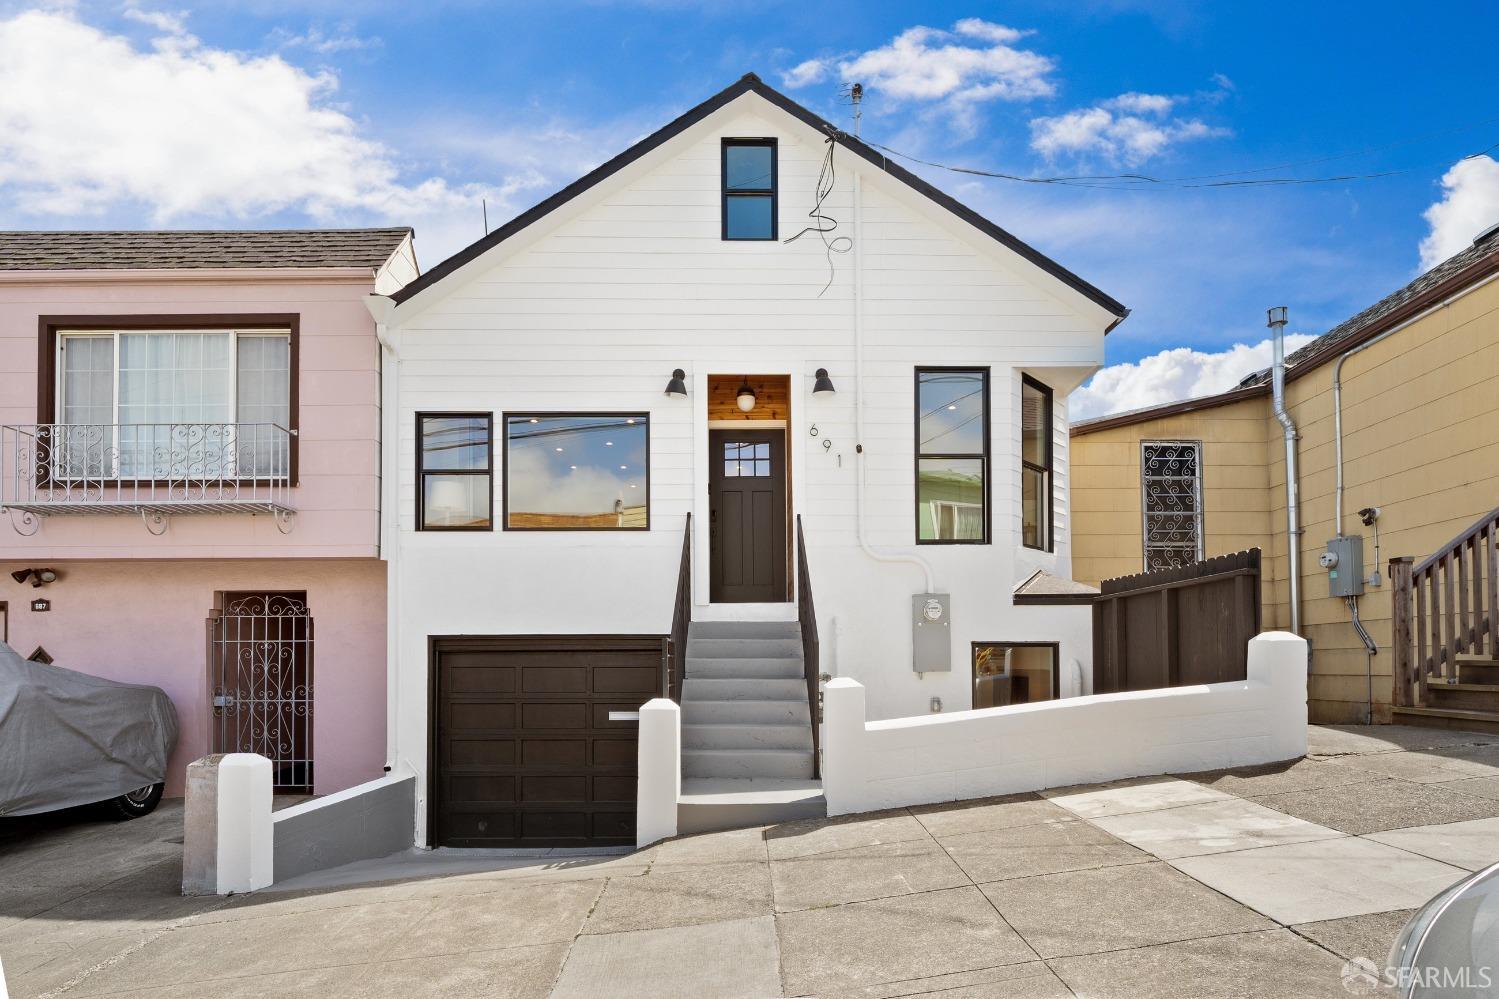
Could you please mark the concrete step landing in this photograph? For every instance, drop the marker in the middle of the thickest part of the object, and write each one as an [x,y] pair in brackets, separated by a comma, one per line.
[713,804]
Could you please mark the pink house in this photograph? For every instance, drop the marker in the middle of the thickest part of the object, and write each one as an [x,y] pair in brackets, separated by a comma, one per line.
[190,480]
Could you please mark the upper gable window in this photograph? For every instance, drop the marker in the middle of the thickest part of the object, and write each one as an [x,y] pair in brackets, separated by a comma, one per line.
[749,188]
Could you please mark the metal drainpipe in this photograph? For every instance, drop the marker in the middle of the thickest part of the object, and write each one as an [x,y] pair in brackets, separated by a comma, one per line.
[1277,324]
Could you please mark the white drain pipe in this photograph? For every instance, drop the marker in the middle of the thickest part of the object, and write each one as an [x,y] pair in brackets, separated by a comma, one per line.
[1277,324]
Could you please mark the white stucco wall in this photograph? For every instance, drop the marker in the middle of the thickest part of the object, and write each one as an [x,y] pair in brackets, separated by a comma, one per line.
[592,308]
[1101,737]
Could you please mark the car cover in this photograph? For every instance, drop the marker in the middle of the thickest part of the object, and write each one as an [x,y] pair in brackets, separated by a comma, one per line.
[70,739]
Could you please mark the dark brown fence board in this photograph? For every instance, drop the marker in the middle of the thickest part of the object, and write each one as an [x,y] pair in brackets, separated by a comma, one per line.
[1185,625]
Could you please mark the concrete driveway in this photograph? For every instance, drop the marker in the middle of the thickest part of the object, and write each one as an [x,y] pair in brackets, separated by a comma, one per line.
[1243,883]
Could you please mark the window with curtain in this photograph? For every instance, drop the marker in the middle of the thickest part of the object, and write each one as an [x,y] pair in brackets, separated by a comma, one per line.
[175,403]
[1035,464]
[952,455]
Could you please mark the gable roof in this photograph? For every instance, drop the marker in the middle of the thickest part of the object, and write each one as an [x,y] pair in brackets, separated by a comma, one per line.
[750,83]
[1461,270]
[182,249]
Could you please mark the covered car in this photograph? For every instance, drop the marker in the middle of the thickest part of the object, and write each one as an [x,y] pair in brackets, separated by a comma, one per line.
[67,738]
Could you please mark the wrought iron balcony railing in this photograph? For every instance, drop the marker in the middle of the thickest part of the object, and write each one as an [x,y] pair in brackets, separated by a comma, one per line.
[151,469]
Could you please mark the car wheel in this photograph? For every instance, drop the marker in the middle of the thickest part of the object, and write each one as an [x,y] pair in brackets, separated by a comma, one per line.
[136,803]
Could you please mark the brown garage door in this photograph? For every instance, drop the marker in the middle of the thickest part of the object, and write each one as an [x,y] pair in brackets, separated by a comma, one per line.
[524,751]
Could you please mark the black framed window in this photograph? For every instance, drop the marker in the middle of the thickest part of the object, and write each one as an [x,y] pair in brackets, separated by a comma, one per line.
[577,472]
[454,471]
[952,455]
[749,189]
[1035,464]
[1014,673]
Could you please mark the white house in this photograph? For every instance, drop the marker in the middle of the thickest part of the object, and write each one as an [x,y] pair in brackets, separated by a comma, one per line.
[756,330]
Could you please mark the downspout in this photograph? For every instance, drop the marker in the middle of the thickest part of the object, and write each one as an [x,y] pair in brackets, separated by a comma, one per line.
[1277,324]
[380,308]
[869,550]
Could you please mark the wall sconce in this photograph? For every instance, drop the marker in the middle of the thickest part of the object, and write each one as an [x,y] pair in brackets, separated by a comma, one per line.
[677,386]
[745,398]
[824,385]
[39,577]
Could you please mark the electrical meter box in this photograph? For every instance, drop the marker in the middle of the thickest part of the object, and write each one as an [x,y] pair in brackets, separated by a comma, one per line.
[1344,562]
[931,633]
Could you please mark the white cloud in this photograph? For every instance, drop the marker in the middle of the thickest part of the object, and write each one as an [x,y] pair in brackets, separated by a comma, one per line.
[1172,375]
[91,125]
[974,61]
[1128,129]
[316,39]
[1469,205]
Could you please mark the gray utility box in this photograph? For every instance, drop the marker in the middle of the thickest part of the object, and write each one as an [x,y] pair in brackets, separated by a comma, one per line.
[1344,562]
[931,632]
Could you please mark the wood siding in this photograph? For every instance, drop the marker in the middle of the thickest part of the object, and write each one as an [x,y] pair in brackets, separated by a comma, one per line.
[1419,442]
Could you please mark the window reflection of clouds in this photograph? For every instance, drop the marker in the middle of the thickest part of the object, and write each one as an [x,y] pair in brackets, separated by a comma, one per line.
[952,410]
[576,466]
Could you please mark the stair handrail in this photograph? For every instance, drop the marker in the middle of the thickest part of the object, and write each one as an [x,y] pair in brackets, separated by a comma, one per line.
[1459,585]
[806,614]
[681,620]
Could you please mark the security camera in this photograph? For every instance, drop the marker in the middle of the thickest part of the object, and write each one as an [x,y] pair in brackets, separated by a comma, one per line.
[1369,515]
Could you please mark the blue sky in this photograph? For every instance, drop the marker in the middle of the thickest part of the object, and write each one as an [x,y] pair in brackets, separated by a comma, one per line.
[277,113]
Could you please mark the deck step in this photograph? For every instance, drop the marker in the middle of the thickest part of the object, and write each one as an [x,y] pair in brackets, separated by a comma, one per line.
[781,763]
[744,648]
[745,669]
[746,735]
[711,805]
[745,629]
[1486,722]
[1465,696]
[746,711]
[1475,672]
[711,689]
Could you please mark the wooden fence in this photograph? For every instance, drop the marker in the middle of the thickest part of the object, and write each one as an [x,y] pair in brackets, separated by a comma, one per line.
[1191,624]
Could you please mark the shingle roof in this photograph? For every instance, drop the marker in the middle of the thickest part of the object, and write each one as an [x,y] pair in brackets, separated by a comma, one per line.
[1458,262]
[196,250]
[750,83]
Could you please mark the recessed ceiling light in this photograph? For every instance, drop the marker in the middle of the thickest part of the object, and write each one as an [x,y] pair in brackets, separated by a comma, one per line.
[952,407]
[623,467]
[631,421]
[573,467]
[608,443]
[632,485]
[558,450]
[535,420]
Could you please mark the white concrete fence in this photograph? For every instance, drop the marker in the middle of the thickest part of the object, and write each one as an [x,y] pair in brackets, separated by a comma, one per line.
[1025,747]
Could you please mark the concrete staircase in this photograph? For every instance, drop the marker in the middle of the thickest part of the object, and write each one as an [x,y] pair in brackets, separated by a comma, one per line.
[746,729]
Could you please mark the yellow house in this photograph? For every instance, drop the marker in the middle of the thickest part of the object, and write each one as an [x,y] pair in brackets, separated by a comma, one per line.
[1418,379]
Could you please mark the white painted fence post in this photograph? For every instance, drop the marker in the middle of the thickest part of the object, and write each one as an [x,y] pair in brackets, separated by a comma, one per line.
[659,782]
[228,834]
[843,754]
[1279,660]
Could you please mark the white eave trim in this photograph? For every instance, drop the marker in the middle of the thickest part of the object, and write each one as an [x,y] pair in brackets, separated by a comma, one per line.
[191,275]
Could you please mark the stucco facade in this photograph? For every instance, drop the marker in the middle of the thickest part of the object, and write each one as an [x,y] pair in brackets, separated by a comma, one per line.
[136,606]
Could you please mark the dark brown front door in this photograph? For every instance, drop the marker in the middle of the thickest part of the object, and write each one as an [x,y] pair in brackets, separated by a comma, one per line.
[525,753]
[747,510]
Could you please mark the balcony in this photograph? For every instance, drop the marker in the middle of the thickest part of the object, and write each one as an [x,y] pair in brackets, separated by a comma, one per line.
[153,470]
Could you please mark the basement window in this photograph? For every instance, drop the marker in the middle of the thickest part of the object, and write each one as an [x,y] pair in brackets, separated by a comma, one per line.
[1013,673]
[749,189]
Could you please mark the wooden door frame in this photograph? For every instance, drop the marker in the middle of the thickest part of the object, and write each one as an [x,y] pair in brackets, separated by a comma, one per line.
[715,474]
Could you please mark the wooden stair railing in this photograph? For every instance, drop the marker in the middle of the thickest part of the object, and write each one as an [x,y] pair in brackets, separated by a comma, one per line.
[1446,609]
[674,656]
[806,614]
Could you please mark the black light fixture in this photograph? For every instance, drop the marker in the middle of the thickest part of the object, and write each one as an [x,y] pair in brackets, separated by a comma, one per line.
[677,386]
[824,384]
[39,577]
[745,397]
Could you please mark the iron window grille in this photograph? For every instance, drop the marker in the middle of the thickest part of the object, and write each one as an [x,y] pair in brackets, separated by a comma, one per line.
[1171,503]
[749,189]
[445,469]
[947,504]
[1036,465]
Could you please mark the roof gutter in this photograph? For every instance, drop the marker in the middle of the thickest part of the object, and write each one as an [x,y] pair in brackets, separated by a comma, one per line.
[1277,324]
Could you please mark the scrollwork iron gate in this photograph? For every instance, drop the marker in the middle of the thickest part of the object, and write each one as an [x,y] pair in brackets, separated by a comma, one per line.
[260,656]
[1171,490]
